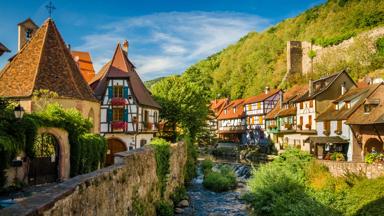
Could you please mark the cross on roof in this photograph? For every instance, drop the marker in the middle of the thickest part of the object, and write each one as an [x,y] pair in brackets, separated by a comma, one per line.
[50,7]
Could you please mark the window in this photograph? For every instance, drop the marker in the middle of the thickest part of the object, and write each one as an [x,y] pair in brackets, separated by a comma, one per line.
[327,126]
[260,119]
[301,120]
[225,111]
[311,103]
[301,105]
[155,117]
[118,91]
[234,109]
[143,142]
[253,120]
[369,107]
[118,114]
[259,105]
[336,106]
[249,107]
[339,125]
[310,121]
[28,34]
[146,116]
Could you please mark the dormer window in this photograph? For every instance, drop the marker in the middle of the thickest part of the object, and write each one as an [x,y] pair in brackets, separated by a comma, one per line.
[234,109]
[348,105]
[336,106]
[370,105]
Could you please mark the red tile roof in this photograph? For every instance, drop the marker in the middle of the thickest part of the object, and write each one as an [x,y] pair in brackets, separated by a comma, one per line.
[83,59]
[238,104]
[261,97]
[121,67]
[44,63]
[218,105]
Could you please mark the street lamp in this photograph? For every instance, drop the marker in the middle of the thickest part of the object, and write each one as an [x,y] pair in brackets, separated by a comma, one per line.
[18,111]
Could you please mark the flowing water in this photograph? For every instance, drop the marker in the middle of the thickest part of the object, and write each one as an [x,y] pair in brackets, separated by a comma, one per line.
[204,202]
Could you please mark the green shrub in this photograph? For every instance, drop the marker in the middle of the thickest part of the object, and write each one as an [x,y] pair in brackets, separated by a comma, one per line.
[223,180]
[325,42]
[337,156]
[207,166]
[190,167]
[179,194]
[164,208]
[374,157]
[380,46]
[162,153]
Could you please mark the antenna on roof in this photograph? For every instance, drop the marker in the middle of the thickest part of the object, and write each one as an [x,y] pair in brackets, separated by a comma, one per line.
[50,7]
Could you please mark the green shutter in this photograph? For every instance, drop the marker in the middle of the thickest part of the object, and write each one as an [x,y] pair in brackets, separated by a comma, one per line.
[110,91]
[109,115]
[125,116]
[125,92]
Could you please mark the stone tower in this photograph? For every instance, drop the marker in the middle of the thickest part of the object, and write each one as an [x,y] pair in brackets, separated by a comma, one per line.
[26,29]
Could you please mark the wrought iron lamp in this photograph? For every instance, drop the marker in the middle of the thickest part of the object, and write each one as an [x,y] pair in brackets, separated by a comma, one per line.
[18,111]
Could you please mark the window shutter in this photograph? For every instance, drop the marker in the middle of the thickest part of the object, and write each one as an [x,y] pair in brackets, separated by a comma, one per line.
[125,115]
[110,92]
[109,115]
[125,92]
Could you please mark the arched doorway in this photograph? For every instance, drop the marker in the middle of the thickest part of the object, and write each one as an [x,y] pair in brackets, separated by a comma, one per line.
[373,143]
[114,146]
[43,166]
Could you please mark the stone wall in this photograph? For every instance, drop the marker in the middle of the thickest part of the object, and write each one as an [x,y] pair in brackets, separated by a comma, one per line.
[340,168]
[130,187]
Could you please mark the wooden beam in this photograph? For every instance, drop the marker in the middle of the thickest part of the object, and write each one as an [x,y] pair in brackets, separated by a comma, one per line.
[378,134]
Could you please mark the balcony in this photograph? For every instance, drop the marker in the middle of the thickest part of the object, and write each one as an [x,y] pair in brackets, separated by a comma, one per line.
[119,126]
[232,129]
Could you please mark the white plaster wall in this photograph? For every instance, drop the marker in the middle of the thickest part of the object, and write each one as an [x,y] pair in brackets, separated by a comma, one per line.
[305,113]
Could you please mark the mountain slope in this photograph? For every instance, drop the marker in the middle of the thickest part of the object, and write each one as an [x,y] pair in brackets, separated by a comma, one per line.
[259,59]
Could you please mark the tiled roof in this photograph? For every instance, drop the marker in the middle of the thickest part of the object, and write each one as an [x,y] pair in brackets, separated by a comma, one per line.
[287,112]
[83,59]
[218,105]
[274,112]
[261,97]
[239,104]
[121,67]
[326,139]
[44,63]
[376,115]
[325,82]
[342,114]
[294,92]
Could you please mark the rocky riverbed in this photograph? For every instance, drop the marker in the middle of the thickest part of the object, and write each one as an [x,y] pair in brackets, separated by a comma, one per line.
[207,203]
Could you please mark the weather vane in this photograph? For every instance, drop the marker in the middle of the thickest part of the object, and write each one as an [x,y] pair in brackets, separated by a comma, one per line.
[50,7]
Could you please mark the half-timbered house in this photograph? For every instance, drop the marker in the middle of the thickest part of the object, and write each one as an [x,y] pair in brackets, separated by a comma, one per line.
[129,115]
[231,122]
[316,99]
[257,107]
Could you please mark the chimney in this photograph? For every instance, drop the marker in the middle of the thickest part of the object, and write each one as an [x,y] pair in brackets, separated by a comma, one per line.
[310,87]
[343,88]
[266,91]
[125,46]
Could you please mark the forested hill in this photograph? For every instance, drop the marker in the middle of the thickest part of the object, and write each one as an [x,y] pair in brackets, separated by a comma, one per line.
[259,59]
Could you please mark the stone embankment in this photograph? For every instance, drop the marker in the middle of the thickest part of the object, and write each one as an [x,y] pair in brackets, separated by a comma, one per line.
[338,168]
[130,187]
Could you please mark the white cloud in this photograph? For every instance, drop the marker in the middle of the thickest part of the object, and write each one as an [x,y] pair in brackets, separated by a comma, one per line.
[166,43]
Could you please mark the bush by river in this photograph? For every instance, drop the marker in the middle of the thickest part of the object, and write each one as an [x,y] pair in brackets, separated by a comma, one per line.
[293,184]
[219,180]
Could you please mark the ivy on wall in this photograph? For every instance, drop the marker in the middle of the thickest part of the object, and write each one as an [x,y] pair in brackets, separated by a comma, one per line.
[162,154]
[87,152]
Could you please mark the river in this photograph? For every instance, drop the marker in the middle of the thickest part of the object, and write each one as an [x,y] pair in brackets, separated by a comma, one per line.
[207,203]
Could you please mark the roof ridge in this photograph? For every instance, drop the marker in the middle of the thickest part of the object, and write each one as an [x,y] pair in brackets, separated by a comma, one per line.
[40,53]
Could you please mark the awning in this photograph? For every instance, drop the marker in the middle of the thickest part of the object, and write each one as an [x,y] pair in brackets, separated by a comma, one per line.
[326,139]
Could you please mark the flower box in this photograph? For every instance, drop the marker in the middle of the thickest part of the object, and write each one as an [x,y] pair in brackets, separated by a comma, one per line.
[119,125]
[272,127]
[118,101]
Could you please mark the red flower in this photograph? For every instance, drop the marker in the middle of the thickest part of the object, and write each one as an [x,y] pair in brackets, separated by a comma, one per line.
[118,101]
[119,125]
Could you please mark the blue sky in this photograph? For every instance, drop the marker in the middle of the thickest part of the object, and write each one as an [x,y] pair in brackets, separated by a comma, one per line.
[165,36]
